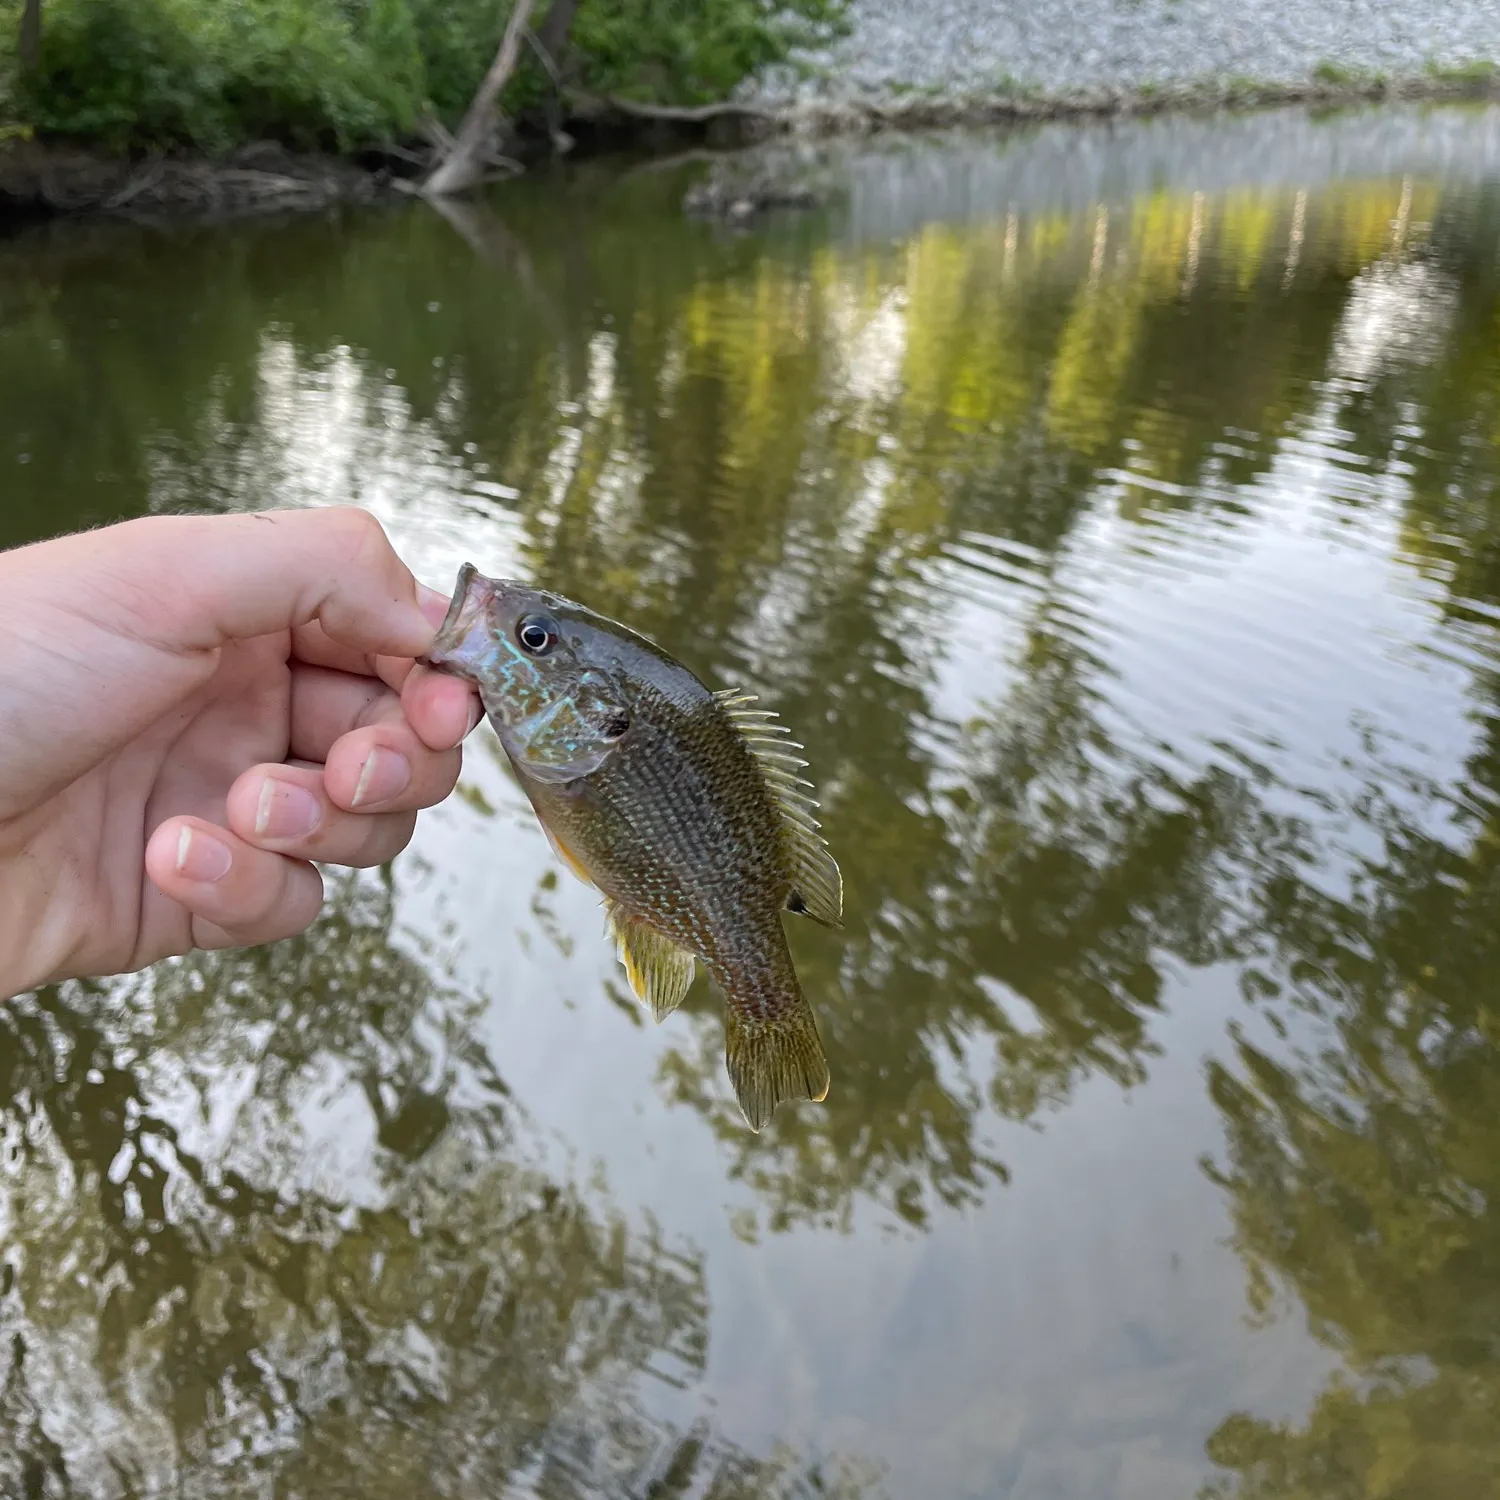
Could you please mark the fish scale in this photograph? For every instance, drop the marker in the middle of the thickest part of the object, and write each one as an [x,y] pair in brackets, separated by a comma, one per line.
[681,805]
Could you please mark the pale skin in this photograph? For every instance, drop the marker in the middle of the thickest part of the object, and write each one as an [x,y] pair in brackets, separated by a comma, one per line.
[194,709]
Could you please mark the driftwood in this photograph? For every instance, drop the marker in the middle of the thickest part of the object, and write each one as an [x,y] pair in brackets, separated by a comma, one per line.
[255,180]
[735,197]
[687,113]
[464,165]
[551,36]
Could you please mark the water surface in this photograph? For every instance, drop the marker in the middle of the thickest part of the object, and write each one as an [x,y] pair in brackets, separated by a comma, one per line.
[1113,511]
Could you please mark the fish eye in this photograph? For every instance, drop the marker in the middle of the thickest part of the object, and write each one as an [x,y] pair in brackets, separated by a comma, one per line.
[537,634]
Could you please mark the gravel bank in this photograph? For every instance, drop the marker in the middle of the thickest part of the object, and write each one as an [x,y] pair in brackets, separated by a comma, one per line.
[1086,50]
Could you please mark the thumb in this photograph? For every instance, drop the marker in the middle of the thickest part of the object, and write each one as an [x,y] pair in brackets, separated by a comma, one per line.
[194,583]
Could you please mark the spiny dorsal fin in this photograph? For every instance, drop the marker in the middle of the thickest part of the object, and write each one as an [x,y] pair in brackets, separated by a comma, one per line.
[817,887]
[660,972]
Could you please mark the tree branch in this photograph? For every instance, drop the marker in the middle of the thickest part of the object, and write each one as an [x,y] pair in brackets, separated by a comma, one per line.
[30,46]
[689,112]
[463,166]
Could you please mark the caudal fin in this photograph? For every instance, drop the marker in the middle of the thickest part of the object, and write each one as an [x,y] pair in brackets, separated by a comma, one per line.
[774,1061]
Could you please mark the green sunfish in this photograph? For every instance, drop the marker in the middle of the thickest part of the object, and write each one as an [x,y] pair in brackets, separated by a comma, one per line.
[683,806]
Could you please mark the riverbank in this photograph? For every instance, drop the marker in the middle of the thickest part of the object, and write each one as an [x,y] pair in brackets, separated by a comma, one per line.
[919,110]
[42,179]
[899,58]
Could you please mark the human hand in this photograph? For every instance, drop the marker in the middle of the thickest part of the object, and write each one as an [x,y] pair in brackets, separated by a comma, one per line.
[194,708]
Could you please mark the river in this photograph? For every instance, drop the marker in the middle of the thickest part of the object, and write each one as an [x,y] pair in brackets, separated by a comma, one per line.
[1114,511]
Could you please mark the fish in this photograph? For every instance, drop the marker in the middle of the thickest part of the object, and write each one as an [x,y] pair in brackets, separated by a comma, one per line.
[681,804]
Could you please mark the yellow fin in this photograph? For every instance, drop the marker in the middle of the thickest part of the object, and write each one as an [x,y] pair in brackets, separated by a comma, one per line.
[774,1061]
[659,971]
[817,886]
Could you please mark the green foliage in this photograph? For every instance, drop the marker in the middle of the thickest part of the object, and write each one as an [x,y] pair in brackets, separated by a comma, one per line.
[339,74]
[457,39]
[1479,72]
[691,51]
[169,72]
[1335,75]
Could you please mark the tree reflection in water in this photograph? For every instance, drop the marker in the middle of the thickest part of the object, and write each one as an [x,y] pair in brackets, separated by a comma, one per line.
[886,484]
[273,1227]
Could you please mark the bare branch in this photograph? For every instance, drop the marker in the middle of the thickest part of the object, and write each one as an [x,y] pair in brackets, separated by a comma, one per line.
[686,112]
[463,166]
[30,46]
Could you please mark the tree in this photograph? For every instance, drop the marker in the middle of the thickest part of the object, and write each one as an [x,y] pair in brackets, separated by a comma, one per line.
[31,34]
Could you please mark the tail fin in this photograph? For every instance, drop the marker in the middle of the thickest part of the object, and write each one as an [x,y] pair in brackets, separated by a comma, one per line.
[774,1061]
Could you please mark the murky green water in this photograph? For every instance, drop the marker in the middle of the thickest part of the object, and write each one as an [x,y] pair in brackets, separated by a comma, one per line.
[1114,512]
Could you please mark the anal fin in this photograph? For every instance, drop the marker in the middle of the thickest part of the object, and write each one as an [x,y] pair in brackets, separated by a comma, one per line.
[660,973]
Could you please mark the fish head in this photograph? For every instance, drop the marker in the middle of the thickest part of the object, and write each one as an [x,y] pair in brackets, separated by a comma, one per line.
[558,714]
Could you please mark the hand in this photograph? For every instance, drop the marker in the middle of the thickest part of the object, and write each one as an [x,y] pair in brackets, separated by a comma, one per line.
[191,710]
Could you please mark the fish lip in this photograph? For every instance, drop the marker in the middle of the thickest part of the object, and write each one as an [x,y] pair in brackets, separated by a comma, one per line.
[449,634]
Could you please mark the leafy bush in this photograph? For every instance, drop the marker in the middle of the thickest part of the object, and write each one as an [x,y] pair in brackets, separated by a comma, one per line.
[692,51]
[169,72]
[457,39]
[211,74]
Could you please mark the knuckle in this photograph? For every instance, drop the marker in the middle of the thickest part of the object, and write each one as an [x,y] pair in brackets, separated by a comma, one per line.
[357,534]
[268,882]
[291,899]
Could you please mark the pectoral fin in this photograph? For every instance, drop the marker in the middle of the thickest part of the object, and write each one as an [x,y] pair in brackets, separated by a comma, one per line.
[565,854]
[659,971]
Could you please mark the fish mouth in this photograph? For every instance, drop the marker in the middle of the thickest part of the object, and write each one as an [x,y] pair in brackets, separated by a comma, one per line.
[452,648]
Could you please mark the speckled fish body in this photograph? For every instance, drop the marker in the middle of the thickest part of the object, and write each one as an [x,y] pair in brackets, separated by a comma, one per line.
[683,806]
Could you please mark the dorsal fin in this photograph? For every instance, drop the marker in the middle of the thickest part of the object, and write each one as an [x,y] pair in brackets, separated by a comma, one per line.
[817,887]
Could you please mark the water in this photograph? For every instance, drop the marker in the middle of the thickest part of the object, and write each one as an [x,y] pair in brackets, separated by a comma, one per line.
[1114,513]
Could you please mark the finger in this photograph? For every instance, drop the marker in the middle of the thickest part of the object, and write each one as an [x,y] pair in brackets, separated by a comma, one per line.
[111,629]
[311,643]
[236,577]
[287,809]
[328,707]
[386,767]
[238,895]
[290,809]
[441,708]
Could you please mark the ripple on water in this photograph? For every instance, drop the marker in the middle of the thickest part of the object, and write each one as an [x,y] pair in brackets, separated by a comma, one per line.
[1112,509]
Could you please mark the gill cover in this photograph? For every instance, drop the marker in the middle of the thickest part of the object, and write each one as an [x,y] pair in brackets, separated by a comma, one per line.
[574,734]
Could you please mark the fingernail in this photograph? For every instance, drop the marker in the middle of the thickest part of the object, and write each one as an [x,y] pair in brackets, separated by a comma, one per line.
[201,856]
[285,810]
[385,774]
